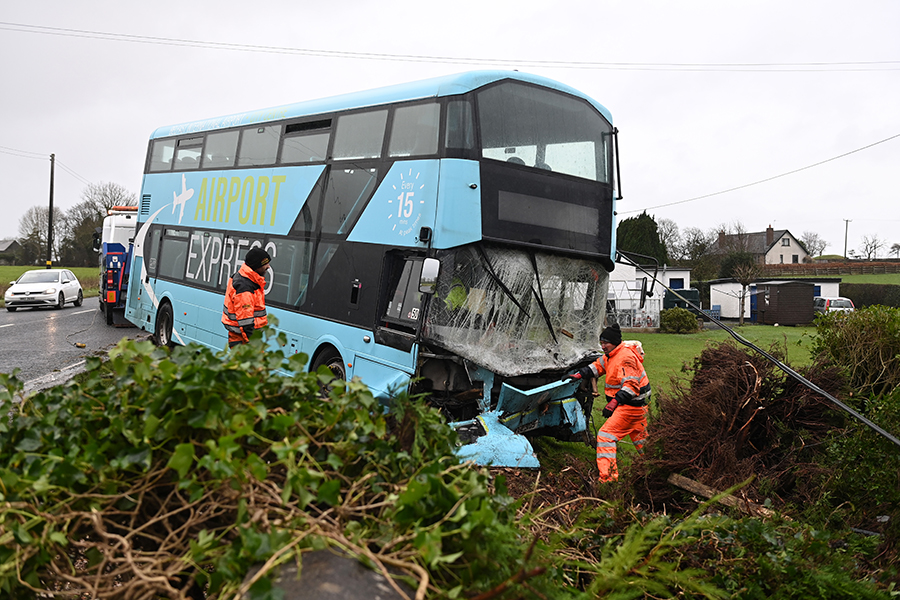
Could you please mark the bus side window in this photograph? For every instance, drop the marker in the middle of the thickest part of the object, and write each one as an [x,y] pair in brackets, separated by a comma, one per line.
[460,133]
[305,142]
[220,150]
[259,145]
[290,272]
[359,135]
[161,155]
[414,131]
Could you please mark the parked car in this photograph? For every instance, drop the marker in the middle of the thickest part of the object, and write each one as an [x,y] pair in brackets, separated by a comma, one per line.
[824,305]
[44,287]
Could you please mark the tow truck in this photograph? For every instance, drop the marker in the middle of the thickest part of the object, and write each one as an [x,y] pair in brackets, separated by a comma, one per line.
[114,241]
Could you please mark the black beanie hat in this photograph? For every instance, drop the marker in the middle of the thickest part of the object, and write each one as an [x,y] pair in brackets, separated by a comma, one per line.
[612,334]
[256,258]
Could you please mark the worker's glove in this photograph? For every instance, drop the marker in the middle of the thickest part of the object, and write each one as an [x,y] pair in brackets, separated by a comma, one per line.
[571,376]
[609,408]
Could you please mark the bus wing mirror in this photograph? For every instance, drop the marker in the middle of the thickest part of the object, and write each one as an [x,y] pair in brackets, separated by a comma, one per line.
[431,267]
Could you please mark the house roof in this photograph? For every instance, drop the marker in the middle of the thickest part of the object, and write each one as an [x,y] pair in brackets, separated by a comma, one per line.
[8,245]
[756,242]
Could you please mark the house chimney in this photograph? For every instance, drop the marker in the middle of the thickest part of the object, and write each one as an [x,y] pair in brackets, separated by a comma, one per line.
[721,240]
[770,236]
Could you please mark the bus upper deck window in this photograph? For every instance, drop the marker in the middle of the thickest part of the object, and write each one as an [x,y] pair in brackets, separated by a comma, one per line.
[305,142]
[414,131]
[359,135]
[259,145]
[460,132]
[187,153]
[161,155]
[221,149]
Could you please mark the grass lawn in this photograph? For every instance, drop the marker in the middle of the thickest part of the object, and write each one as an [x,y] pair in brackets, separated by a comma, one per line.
[666,353]
[89,277]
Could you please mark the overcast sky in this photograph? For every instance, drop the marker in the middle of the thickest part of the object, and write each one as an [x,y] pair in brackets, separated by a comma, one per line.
[708,96]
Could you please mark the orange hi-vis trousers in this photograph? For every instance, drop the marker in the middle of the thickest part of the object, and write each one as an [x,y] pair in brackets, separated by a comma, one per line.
[625,421]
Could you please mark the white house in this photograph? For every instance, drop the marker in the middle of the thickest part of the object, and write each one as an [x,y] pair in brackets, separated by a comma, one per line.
[627,284]
[770,247]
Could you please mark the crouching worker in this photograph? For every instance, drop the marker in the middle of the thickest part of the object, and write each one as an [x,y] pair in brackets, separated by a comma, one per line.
[627,395]
[245,299]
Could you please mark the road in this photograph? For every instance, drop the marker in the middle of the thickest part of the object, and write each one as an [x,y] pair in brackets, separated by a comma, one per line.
[41,342]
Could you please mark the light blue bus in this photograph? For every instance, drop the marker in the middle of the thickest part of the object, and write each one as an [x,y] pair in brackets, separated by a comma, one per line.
[451,236]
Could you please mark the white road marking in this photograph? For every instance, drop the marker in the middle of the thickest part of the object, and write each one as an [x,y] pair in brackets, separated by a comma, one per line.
[81,312]
[8,325]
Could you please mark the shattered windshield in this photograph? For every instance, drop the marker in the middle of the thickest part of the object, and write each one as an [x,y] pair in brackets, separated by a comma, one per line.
[517,311]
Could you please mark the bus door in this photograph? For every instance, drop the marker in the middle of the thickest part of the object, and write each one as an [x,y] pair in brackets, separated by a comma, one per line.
[391,362]
[141,308]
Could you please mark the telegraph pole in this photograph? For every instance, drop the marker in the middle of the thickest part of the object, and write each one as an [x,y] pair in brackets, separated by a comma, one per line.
[50,216]
[846,224]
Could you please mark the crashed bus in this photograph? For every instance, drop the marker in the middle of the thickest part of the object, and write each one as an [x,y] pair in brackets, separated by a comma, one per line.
[450,237]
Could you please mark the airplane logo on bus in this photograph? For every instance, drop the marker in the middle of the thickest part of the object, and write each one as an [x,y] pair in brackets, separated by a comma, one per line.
[181,199]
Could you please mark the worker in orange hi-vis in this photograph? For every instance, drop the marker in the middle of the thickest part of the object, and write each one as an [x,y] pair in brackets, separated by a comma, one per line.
[627,395]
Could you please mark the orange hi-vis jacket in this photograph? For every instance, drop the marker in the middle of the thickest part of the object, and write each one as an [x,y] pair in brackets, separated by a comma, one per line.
[245,304]
[626,380]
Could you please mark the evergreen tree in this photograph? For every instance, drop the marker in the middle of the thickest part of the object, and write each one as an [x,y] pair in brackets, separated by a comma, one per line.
[640,235]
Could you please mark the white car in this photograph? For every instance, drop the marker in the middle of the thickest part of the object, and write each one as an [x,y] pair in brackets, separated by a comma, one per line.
[44,287]
[824,305]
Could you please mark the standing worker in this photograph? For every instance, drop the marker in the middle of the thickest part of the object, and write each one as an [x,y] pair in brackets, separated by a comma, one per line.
[627,395]
[245,299]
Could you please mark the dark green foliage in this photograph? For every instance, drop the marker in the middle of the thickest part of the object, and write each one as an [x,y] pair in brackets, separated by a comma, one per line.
[640,234]
[678,320]
[223,460]
[872,294]
[866,344]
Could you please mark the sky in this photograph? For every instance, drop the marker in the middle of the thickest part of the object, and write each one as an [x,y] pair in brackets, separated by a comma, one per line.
[762,112]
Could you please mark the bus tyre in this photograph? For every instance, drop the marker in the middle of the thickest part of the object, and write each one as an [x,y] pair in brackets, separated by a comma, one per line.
[162,336]
[330,358]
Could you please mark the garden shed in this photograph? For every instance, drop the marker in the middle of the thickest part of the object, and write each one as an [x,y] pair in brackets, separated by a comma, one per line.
[785,302]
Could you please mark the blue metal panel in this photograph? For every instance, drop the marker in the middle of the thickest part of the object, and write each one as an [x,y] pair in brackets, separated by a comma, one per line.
[459,204]
[430,88]
[500,447]
[404,203]
[263,201]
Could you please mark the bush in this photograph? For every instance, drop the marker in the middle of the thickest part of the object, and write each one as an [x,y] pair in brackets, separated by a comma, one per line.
[678,320]
[866,345]
[872,294]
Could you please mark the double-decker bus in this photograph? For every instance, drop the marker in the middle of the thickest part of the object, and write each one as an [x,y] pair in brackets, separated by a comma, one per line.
[452,236]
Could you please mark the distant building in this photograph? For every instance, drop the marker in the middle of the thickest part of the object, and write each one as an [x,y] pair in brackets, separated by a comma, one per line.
[9,250]
[769,247]
[725,294]
[628,285]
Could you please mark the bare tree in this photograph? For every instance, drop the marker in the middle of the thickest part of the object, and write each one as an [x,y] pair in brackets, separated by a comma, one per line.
[870,247]
[745,274]
[33,228]
[86,217]
[813,243]
[895,250]
[105,195]
[737,240]
[669,236]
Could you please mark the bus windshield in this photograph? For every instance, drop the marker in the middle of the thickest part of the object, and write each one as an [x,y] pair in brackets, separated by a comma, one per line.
[537,127]
[516,311]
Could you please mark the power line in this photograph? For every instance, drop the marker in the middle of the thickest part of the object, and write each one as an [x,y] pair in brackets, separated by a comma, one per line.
[746,185]
[888,65]
[38,156]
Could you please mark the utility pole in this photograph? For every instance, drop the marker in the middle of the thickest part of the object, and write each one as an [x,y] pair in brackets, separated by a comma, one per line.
[846,224]
[50,216]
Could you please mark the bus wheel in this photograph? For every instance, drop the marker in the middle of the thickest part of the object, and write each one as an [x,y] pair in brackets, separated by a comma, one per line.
[163,334]
[330,358]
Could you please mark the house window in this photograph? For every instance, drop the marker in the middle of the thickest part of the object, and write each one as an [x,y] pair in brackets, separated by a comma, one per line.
[781,258]
[795,258]
[676,284]
[785,241]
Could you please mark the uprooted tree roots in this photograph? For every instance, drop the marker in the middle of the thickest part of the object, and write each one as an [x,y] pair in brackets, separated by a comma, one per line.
[739,417]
